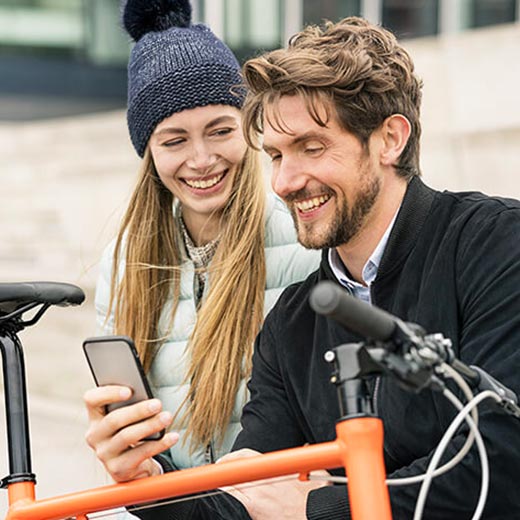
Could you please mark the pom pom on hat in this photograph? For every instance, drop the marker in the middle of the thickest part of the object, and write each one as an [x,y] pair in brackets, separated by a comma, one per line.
[144,16]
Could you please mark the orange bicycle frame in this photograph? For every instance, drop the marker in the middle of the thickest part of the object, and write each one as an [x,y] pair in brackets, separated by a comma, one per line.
[358,448]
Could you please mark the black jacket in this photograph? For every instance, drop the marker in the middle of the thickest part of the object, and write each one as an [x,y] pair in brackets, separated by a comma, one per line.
[452,265]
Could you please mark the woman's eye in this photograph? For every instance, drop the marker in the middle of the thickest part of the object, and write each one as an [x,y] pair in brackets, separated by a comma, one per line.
[275,157]
[173,142]
[222,131]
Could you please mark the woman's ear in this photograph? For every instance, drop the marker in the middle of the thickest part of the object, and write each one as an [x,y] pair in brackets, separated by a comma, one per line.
[395,132]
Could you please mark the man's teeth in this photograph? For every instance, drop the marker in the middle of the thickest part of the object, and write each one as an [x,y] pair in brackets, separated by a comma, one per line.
[310,204]
[204,184]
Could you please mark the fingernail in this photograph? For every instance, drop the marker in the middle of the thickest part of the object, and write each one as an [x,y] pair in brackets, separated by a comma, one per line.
[154,405]
[171,437]
[125,393]
[165,418]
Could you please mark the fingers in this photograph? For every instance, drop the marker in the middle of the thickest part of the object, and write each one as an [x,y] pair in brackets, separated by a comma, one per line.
[126,427]
[137,462]
[239,454]
[117,437]
[274,498]
[96,399]
[237,493]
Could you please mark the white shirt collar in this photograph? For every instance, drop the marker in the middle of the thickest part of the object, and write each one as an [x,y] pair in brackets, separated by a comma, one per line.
[371,266]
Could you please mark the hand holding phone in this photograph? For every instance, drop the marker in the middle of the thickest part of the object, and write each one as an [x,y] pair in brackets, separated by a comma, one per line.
[113,360]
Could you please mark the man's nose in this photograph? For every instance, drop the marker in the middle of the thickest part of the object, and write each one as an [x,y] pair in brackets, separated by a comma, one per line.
[287,177]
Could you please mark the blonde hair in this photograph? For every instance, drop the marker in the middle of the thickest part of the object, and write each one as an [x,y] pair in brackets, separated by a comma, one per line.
[231,313]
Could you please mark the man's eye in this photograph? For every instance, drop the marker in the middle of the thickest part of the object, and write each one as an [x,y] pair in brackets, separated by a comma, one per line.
[314,150]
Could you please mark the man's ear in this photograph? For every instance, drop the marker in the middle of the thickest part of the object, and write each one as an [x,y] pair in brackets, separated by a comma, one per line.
[395,132]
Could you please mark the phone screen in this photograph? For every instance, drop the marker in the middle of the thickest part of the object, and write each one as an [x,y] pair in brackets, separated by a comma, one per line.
[113,360]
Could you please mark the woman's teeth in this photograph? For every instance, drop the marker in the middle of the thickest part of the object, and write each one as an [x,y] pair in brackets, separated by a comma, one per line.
[310,204]
[204,184]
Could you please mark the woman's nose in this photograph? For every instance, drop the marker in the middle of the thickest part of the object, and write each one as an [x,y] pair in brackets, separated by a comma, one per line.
[202,157]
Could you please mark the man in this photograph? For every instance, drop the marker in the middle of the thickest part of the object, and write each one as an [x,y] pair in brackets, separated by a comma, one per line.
[339,112]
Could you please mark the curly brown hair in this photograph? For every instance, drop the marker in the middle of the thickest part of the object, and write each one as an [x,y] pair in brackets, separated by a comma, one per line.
[354,66]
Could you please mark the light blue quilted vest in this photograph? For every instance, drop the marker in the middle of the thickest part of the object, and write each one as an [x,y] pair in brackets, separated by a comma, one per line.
[286,262]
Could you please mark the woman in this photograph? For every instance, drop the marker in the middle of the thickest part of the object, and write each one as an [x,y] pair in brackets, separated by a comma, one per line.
[191,284]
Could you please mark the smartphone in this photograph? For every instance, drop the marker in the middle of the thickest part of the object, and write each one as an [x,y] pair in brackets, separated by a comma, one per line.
[113,360]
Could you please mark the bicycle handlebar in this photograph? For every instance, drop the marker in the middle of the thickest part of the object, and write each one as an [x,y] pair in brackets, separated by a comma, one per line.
[328,299]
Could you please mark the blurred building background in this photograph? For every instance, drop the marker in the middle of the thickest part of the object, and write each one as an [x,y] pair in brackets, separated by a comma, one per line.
[60,57]
[67,166]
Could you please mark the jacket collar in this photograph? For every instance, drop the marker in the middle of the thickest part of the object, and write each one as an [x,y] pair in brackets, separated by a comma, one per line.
[410,219]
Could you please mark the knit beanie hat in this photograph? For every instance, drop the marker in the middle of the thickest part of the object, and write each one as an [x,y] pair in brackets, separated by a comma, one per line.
[174,66]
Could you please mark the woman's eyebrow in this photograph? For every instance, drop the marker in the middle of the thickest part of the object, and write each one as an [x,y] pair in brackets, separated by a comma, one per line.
[170,130]
[211,124]
[220,120]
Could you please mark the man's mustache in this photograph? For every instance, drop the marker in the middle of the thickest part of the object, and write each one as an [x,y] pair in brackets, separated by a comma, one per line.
[304,194]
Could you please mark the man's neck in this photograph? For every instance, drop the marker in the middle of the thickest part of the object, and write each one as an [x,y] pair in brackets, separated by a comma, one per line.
[356,252]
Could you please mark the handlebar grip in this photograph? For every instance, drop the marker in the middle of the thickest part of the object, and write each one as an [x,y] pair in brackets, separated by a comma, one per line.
[328,299]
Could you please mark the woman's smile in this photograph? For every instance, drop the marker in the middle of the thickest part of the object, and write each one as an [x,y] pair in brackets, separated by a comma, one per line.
[206,183]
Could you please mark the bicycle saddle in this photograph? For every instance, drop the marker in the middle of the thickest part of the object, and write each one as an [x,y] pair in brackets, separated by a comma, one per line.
[13,295]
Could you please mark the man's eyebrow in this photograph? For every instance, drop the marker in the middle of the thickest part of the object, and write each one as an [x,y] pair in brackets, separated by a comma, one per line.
[306,136]
[214,122]
[312,134]
[269,149]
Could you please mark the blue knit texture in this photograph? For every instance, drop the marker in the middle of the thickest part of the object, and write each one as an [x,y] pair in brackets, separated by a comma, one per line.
[178,69]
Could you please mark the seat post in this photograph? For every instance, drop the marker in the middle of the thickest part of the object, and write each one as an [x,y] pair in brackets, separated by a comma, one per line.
[17,420]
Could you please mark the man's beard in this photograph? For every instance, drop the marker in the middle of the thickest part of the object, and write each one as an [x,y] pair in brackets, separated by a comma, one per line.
[346,222]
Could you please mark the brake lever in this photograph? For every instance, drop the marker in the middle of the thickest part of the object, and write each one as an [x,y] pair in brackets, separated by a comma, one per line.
[508,399]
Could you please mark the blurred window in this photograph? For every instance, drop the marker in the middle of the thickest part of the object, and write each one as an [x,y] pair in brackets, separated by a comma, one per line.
[52,24]
[235,23]
[265,19]
[105,42]
[315,12]
[86,28]
[253,25]
[492,12]
[411,18]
